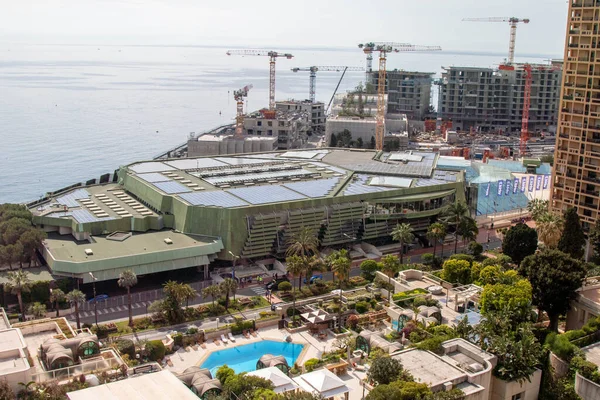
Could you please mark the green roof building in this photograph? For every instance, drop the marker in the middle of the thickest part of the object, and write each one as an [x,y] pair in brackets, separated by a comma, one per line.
[180,213]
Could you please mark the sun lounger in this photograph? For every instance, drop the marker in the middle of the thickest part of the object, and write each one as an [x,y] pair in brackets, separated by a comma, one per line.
[231,337]
[169,362]
[188,349]
[203,346]
[217,342]
[246,335]
[224,339]
[195,347]
[253,333]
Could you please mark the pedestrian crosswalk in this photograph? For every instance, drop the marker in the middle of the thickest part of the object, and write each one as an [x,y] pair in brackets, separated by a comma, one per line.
[259,290]
[103,311]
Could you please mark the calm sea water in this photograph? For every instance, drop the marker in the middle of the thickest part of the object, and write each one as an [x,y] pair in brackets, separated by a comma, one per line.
[72,113]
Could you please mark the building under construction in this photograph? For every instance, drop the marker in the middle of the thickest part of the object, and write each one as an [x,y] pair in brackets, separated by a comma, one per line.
[408,92]
[486,99]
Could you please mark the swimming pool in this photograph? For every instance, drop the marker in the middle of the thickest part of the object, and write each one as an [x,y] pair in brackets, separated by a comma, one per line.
[243,358]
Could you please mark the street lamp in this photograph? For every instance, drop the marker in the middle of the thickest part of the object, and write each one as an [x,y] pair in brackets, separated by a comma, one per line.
[94,279]
[234,260]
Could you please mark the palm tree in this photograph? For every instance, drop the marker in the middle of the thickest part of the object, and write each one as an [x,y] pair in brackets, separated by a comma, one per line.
[330,259]
[75,297]
[127,279]
[189,293]
[435,232]
[549,227]
[453,214]
[38,310]
[314,263]
[390,265]
[213,291]
[467,229]
[341,267]
[295,265]
[303,243]
[537,208]
[56,297]
[403,234]
[228,286]
[18,283]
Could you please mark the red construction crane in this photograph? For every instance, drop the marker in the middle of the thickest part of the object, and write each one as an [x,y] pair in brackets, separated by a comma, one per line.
[513,31]
[383,48]
[273,55]
[526,104]
[313,76]
[239,96]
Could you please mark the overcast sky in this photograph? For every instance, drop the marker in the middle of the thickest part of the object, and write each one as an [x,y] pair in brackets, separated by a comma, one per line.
[281,23]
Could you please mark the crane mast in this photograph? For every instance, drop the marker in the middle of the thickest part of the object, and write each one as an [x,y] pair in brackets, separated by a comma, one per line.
[312,89]
[239,96]
[273,55]
[526,105]
[383,48]
[513,31]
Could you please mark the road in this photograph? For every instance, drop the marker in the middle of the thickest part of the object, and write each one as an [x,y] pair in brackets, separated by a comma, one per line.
[108,313]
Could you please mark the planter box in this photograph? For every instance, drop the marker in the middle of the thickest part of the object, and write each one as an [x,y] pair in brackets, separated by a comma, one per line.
[340,335]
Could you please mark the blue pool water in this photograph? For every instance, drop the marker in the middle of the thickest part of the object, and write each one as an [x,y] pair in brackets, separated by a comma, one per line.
[244,358]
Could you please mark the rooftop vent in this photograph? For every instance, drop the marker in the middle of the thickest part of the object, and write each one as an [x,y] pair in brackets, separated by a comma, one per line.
[474,367]
[89,252]
[168,241]
[448,386]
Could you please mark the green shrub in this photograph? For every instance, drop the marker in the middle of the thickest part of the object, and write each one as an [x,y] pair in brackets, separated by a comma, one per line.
[351,305]
[311,364]
[192,331]
[561,346]
[284,286]
[291,311]
[178,339]
[433,344]
[362,307]
[126,346]
[156,350]
[419,301]
[465,257]
[240,326]
[224,373]
[401,296]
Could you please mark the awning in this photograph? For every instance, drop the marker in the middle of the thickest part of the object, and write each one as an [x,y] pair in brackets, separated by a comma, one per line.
[416,197]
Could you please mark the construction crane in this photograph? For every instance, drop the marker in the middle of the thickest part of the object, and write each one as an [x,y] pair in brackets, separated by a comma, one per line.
[273,55]
[313,75]
[513,31]
[239,96]
[383,48]
[526,104]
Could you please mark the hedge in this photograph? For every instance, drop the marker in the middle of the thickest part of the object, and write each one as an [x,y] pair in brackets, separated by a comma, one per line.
[409,293]
[126,346]
[156,350]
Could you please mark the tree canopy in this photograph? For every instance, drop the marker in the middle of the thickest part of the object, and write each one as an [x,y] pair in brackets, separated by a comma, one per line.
[572,240]
[519,242]
[457,271]
[368,269]
[384,370]
[554,276]
[514,299]
[19,239]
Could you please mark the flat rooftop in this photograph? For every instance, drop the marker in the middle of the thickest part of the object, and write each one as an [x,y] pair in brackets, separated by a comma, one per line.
[65,248]
[12,357]
[241,180]
[427,368]
[161,385]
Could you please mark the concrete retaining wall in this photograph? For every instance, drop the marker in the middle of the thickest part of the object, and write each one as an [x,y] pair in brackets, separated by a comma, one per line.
[586,389]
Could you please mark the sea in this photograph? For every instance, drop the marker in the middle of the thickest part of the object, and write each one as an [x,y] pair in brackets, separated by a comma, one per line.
[70,113]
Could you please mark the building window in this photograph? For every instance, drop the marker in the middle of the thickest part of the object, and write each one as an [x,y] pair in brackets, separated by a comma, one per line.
[259,123]
[519,396]
[270,123]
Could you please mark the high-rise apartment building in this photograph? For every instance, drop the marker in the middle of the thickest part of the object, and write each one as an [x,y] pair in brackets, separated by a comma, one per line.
[489,99]
[409,92]
[576,179]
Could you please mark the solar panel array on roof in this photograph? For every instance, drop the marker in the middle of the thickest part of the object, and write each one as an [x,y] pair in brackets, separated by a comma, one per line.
[195,163]
[213,198]
[154,177]
[429,182]
[172,187]
[318,188]
[266,194]
[324,165]
[258,176]
[393,169]
[83,216]
[359,186]
[153,166]
[70,199]
[405,156]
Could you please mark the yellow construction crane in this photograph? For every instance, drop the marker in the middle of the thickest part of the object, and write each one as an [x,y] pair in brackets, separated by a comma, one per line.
[513,31]
[273,55]
[383,48]
[313,76]
[239,96]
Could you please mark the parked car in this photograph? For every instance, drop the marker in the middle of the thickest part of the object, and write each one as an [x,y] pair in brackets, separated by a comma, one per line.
[313,278]
[274,283]
[98,298]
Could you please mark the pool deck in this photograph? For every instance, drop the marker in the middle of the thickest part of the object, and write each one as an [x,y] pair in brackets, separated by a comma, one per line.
[313,348]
